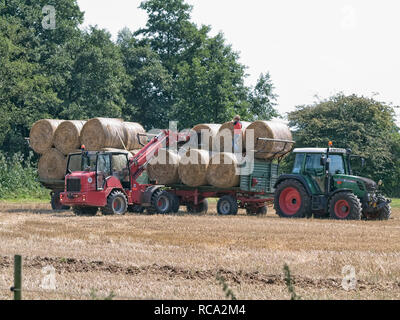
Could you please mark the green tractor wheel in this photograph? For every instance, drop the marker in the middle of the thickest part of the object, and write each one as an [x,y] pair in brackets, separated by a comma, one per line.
[345,206]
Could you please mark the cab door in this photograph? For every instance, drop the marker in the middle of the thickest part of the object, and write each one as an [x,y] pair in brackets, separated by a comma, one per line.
[103,170]
[315,171]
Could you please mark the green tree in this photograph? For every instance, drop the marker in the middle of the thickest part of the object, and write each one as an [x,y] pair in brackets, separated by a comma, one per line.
[97,81]
[362,124]
[32,71]
[262,99]
[210,88]
[150,83]
[168,30]
[25,94]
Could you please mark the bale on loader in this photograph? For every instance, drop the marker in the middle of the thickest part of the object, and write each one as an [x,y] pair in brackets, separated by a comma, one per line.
[101,133]
[208,133]
[41,136]
[223,141]
[223,170]
[131,138]
[271,130]
[164,167]
[193,167]
[67,136]
[52,165]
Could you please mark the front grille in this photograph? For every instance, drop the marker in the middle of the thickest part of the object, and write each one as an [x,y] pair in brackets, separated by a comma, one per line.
[74,185]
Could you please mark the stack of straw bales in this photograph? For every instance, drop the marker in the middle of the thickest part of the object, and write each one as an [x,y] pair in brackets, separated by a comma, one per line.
[55,139]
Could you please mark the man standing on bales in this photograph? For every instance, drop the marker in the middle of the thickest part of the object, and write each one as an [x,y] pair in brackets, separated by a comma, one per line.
[237,134]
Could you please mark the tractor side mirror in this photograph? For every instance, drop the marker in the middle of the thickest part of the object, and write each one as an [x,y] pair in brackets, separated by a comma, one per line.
[323,161]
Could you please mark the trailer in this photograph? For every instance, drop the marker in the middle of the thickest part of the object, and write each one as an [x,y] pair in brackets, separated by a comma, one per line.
[255,193]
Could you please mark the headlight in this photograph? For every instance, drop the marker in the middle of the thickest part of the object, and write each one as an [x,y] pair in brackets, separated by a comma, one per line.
[90,180]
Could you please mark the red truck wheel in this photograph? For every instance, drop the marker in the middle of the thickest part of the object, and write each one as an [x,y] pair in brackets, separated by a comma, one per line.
[291,200]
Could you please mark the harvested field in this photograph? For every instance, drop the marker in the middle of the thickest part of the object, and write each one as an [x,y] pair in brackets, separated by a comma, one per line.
[178,256]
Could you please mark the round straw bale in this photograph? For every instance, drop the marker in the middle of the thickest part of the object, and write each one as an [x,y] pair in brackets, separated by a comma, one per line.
[271,130]
[207,132]
[164,167]
[131,138]
[101,133]
[52,165]
[41,136]
[67,136]
[223,141]
[223,170]
[193,167]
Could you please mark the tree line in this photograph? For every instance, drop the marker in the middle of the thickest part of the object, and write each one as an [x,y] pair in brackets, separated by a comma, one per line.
[171,69]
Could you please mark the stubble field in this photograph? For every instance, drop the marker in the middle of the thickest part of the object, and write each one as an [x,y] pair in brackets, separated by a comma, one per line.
[179,256]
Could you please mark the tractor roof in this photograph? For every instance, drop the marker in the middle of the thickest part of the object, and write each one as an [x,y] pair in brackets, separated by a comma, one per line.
[319,150]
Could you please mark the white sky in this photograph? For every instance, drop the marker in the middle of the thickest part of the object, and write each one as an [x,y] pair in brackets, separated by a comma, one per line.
[310,47]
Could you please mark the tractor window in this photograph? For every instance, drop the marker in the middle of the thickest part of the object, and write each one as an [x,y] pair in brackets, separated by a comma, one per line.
[74,163]
[89,162]
[298,163]
[337,164]
[120,168]
[313,162]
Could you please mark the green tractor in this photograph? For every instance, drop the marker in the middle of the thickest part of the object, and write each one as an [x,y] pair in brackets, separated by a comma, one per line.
[322,184]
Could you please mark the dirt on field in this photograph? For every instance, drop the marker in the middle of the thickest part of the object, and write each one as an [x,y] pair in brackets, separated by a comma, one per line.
[179,256]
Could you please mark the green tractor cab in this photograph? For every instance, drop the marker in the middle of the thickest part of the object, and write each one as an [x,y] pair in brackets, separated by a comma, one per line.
[322,184]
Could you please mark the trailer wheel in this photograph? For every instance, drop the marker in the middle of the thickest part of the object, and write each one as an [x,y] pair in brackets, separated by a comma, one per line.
[345,206]
[227,205]
[56,203]
[117,203]
[200,208]
[291,200]
[85,211]
[163,202]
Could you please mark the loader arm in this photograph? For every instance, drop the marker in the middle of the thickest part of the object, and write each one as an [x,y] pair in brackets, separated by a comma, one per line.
[139,162]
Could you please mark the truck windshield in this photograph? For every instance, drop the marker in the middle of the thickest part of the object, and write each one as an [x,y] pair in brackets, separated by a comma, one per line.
[78,163]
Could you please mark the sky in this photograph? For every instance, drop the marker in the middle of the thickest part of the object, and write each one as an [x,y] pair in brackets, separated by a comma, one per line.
[312,49]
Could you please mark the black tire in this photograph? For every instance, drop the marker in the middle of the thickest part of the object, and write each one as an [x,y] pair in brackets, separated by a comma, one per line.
[262,211]
[56,203]
[200,208]
[292,200]
[135,209]
[227,205]
[163,202]
[117,204]
[176,203]
[383,213]
[85,211]
[345,206]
